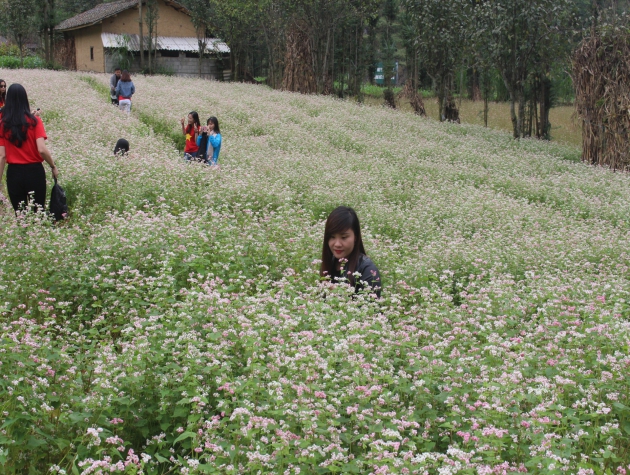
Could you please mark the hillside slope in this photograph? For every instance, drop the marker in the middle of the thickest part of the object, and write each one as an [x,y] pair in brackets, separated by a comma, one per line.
[179,313]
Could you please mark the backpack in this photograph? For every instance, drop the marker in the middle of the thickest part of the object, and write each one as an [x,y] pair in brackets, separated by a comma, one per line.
[58,206]
[202,155]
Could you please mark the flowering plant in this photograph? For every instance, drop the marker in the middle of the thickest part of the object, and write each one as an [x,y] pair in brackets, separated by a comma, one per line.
[175,323]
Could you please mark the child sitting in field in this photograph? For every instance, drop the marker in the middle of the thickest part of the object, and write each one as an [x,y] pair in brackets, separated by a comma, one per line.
[209,142]
[190,129]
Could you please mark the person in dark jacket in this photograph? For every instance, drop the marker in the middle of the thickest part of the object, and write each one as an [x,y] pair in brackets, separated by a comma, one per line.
[122,147]
[343,254]
[113,82]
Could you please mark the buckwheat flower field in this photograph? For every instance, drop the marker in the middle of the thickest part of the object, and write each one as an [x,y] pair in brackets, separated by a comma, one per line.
[176,323]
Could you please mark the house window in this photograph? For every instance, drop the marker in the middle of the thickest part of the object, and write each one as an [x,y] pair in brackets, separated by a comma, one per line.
[92,53]
[190,54]
[169,54]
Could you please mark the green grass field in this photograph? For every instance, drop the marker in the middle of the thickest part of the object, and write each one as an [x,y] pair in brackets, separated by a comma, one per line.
[564,128]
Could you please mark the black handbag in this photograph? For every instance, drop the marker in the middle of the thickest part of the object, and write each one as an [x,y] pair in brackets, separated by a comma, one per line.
[58,205]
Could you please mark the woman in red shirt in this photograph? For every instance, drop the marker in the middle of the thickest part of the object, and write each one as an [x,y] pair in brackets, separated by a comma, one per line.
[191,131]
[23,147]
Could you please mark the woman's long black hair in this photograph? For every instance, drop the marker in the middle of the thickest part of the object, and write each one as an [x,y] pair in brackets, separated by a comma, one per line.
[16,115]
[340,220]
[215,121]
[195,118]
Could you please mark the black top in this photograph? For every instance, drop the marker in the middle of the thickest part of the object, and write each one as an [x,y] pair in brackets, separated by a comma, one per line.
[369,274]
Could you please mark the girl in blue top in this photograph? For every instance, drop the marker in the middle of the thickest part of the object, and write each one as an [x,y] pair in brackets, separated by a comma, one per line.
[209,142]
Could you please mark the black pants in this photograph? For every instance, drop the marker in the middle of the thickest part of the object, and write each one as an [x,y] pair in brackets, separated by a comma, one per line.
[25,179]
[115,101]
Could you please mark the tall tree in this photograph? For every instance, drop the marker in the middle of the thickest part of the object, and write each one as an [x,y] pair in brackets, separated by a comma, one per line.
[201,13]
[141,34]
[412,84]
[515,35]
[151,16]
[46,21]
[19,17]
[388,48]
[442,29]
[237,22]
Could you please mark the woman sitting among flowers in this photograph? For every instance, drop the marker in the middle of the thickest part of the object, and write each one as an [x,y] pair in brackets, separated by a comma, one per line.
[343,254]
[190,129]
[209,142]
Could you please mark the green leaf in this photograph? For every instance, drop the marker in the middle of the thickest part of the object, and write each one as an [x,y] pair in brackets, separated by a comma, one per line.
[34,442]
[160,459]
[181,411]
[185,435]
[351,468]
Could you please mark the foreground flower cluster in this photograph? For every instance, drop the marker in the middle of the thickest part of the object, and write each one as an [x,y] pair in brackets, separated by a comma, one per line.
[176,323]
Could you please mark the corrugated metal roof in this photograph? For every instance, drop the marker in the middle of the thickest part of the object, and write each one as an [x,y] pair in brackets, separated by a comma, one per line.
[170,43]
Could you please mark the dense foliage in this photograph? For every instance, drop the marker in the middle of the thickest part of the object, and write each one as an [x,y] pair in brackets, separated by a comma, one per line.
[176,323]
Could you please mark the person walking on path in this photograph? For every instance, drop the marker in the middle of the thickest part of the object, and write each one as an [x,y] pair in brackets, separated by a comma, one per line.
[209,142]
[124,90]
[113,82]
[23,148]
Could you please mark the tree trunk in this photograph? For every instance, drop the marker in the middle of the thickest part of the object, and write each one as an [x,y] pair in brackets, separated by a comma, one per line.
[202,48]
[271,79]
[521,112]
[51,33]
[441,97]
[141,35]
[461,86]
[21,47]
[485,110]
[545,105]
[323,87]
[298,72]
[150,33]
[515,126]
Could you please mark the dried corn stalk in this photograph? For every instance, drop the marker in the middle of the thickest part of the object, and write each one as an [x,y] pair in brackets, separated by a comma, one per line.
[601,75]
[414,98]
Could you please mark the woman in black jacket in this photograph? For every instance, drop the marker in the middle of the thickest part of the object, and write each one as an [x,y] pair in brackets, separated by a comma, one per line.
[343,253]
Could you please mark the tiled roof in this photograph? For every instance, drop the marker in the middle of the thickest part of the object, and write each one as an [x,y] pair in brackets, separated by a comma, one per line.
[105,10]
[96,14]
